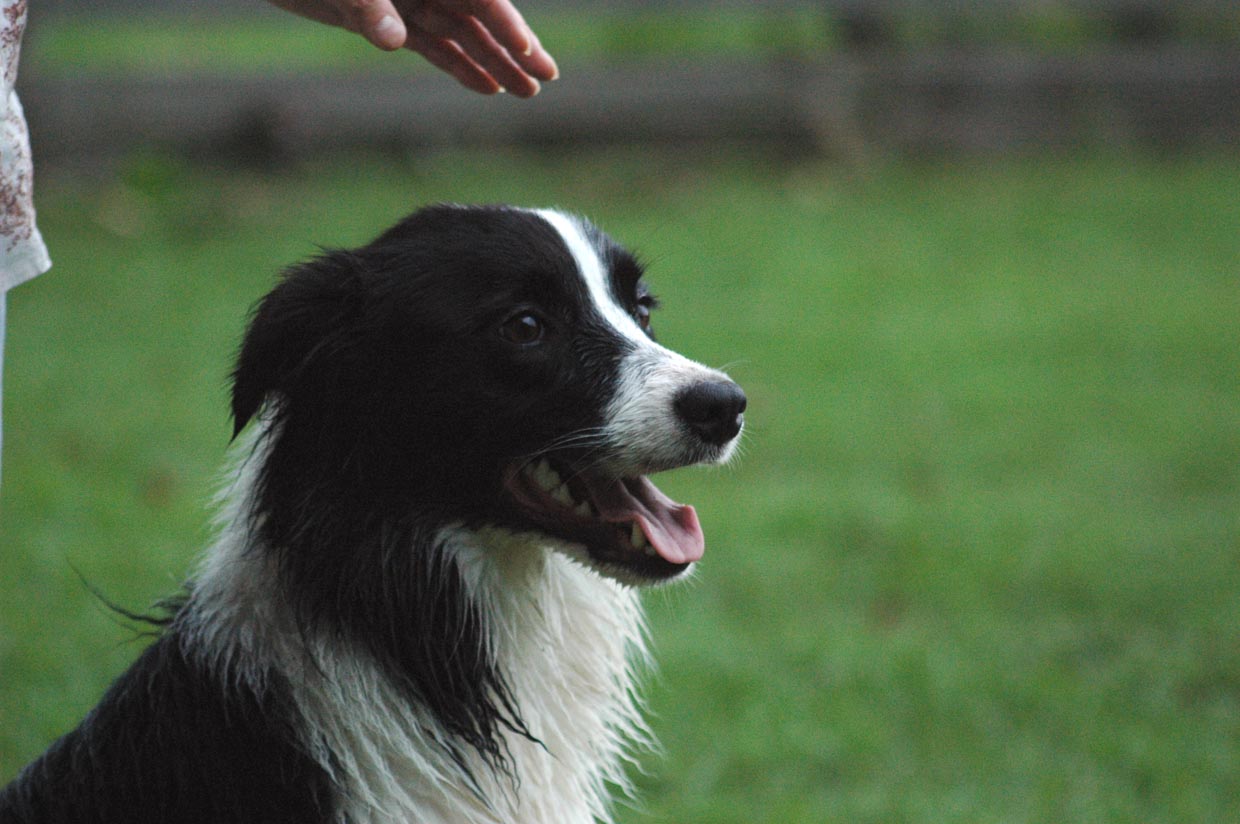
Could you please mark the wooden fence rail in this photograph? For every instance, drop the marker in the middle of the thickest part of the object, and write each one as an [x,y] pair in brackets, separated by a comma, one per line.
[849,105]
[861,97]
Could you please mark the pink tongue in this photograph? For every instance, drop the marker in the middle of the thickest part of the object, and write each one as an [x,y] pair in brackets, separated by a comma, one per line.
[671,528]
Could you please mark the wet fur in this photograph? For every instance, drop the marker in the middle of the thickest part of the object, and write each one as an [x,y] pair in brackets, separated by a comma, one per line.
[375,635]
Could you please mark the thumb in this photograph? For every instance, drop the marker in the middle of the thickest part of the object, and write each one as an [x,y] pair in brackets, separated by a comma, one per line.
[376,20]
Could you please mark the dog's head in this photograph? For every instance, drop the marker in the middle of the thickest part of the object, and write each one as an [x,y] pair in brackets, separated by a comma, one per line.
[488,367]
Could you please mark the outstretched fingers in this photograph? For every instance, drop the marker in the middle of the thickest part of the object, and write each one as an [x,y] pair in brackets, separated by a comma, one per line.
[475,43]
[486,45]
[486,35]
[508,27]
[449,58]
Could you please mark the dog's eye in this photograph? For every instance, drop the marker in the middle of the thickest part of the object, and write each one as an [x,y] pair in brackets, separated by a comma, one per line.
[646,304]
[643,315]
[523,329]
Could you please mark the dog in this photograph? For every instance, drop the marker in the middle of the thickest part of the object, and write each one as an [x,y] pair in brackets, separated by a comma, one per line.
[421,603]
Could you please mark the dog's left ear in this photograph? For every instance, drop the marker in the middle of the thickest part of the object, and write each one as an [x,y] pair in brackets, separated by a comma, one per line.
[307,314]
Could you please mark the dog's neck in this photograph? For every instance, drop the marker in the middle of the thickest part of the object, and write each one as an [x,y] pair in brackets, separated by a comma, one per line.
[569,643]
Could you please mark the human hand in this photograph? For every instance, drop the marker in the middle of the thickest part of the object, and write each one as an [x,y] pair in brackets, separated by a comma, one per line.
[485,44]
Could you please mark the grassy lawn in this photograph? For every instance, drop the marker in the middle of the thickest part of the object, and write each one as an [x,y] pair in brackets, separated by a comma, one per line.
[979,561]
[263,39]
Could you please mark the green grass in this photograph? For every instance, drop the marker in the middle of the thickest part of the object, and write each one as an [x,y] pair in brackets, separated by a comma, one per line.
[979,562]
[266,40]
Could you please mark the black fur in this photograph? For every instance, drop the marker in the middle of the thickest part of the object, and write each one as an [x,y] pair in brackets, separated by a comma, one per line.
[175,741]
[370,356]
[394,407]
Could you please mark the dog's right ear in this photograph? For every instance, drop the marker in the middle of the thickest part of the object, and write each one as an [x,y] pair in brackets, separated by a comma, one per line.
[306,314]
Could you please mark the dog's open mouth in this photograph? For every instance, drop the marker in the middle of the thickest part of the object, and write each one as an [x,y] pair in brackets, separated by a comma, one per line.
[624,523]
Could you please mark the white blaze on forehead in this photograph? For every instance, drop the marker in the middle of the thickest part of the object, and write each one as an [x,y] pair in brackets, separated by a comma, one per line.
[593,273]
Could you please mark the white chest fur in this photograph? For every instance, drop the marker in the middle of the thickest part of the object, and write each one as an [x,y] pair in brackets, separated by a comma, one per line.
[569,642]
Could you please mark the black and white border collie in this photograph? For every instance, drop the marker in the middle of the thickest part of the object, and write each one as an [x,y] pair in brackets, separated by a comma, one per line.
[421,604]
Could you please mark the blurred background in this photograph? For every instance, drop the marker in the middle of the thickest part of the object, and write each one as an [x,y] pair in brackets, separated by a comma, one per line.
[976,264]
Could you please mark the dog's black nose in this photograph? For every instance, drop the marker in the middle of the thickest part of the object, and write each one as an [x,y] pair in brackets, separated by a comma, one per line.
[714,410]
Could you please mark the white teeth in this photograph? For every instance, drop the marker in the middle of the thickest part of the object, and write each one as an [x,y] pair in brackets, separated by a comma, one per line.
[561,495]
[547,477]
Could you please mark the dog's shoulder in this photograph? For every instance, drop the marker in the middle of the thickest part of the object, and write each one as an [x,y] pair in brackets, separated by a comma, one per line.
[175,740]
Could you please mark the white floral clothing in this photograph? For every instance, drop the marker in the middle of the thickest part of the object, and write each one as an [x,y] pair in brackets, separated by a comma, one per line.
[22,252]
